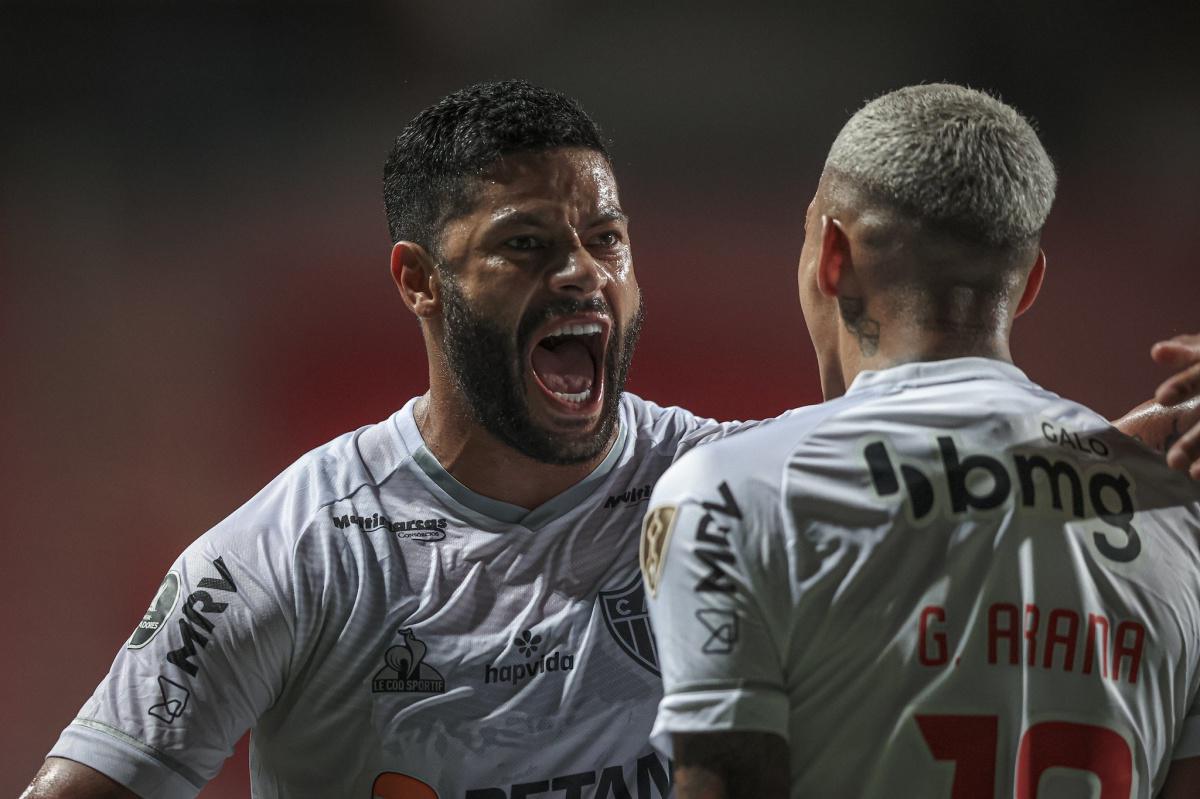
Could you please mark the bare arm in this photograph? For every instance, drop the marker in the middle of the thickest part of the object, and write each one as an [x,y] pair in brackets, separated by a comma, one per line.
[730,765]
[60,778]
[1171,422]
[1183,779]
[1174,431]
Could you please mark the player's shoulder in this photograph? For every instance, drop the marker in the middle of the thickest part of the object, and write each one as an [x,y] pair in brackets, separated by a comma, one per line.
[284,510]
[662,425]
[676,431]
[751,458]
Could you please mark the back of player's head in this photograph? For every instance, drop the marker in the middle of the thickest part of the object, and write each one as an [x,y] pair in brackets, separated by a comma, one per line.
[954,158]
[435,162]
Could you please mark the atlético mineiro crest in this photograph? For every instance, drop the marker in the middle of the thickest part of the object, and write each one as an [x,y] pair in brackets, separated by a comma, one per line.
[628,619]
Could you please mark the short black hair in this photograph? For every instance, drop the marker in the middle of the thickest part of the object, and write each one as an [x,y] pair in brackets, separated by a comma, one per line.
[431,170]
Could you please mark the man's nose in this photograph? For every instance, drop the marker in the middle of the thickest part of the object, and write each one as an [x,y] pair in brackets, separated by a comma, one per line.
[578,273]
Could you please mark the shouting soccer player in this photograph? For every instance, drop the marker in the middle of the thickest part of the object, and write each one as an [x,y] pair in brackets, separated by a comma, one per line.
[948,581]
[446,604]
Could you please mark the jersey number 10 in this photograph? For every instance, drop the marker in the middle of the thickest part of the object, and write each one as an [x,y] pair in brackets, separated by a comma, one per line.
[970,742]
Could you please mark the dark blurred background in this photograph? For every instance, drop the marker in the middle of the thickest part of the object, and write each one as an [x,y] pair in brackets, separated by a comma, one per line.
[193,255]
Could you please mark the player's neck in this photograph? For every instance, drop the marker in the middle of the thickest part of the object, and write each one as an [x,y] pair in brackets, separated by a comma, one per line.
[487,466]
[907,344]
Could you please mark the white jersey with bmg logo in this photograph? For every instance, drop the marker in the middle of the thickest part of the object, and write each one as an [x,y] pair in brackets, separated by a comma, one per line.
[388,633]
[948,583]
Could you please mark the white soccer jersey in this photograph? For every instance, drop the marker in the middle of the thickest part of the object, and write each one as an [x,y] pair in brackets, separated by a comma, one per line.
[388,633]
[948,583]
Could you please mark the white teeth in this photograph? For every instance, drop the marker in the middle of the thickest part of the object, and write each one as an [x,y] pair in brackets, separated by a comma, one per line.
[580,397]
[575,329]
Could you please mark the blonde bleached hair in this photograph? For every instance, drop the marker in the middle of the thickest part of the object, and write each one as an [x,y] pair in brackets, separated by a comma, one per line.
[951,156]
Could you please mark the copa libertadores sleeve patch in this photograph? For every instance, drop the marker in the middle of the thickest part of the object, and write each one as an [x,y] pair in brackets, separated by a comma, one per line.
[656,533]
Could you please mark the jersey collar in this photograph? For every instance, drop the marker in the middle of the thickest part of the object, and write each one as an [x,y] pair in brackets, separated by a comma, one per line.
[951,370]
[505,512]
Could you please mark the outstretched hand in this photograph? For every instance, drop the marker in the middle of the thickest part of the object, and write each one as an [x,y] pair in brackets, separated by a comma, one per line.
[1182,353]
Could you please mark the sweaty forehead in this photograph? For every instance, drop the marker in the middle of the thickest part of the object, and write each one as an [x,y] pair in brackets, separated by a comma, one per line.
[578,179]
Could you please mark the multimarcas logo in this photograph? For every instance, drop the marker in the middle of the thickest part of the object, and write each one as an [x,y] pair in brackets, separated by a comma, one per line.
[632,496]
[527,645]
[421,529]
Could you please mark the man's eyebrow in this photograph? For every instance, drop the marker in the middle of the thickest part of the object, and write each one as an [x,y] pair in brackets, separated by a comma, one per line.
[610,214]
[511,216]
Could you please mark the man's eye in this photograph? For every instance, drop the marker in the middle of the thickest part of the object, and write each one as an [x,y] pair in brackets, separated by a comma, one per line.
[524,243]
[609,238]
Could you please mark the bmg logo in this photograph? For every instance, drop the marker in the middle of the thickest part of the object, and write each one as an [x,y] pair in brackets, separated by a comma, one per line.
[981,483]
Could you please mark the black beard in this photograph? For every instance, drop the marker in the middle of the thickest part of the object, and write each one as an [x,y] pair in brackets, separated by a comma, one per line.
[488,367]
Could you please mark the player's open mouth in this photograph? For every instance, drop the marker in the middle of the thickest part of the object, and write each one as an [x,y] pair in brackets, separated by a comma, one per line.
[567,362]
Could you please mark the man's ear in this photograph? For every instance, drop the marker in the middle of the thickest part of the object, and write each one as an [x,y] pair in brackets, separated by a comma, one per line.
[1034,284]
[834,260]
[416,277]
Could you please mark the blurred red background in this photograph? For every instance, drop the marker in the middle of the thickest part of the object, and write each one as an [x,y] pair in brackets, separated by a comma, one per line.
[193,254]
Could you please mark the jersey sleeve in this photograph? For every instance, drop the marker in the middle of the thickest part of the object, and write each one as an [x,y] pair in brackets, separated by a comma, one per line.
[209,656]
[708,431]
[707,549]
[680,431]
